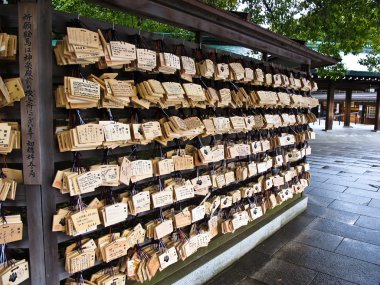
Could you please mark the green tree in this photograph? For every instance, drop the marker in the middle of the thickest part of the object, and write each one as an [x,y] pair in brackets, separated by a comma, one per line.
[223,4]
[333,26]
[90,10]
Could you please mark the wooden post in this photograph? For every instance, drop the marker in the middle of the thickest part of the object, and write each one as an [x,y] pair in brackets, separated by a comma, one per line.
[35,62]
[264,56]
[30,108]
[306,68]
[198,38]
[377,113]
[364,114]
[48,196]
[31,152]
[347,113]
[330,107]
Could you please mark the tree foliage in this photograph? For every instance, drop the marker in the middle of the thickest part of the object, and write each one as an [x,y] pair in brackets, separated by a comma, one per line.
[223,4]
[90,10]
[334,26]
[87,9]
[372,61]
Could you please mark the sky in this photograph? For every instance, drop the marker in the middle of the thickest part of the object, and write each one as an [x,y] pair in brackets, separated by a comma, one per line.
[351,62]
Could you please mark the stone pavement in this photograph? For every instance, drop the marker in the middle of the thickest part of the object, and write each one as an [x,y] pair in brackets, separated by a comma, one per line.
[337,239]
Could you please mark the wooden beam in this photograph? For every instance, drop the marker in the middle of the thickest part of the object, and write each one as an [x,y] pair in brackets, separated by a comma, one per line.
[330,107]
[35,234]
[306,68]
[264,56]
[29,106]
[29,45]
[346,84]
[377,113]
[347,113]
[35,30]
[194,7]
[198,37]
[197,16]
[48,195]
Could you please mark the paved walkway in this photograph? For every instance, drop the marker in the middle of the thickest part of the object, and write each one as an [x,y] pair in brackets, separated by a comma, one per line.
[337,239]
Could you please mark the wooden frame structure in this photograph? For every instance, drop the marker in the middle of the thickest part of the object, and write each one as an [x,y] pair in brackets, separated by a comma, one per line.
[40,199]
[349,83]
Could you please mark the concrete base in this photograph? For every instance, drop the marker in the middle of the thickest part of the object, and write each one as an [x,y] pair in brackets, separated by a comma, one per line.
[228,254]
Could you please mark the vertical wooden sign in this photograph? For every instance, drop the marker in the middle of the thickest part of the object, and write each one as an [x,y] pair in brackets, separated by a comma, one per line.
[28,61]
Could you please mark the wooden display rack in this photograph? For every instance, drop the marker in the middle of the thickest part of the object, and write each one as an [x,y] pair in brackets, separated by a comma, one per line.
[40,114]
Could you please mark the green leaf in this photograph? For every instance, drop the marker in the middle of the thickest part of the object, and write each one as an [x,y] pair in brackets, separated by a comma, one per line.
[336,26]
